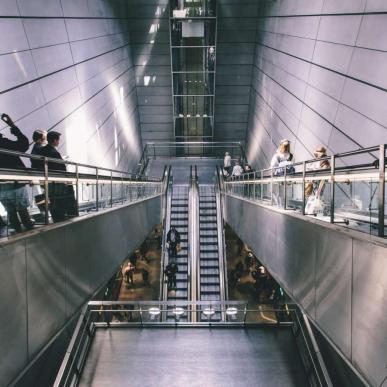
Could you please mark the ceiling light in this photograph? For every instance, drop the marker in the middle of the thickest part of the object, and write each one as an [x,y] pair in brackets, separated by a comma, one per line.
[178,311]
[231,311]
[154,311]
[208,312]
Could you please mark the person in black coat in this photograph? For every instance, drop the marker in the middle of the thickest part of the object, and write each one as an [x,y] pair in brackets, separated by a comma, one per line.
[39,138]
[62,197]
[173,240]
[170,271]
[14,196]
[21,144]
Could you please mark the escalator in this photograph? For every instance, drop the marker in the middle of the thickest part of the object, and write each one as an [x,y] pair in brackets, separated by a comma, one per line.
[209,246]
[179,219]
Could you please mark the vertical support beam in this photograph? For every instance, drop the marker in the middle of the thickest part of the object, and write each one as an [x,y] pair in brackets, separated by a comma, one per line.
[46,188]
[77,187]
[96,190]
[285,190]
[111,188]
[382,190]
[303,187]
[333,166]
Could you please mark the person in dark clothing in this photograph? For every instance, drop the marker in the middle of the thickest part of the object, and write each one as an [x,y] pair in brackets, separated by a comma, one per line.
[20,145]
[39,137]
[249,260]
[173,240]
[170,271]
[128,273]
[145,277]
[14,196]
[62,197]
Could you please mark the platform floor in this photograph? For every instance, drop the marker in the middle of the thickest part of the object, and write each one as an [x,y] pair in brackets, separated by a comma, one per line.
[210,357]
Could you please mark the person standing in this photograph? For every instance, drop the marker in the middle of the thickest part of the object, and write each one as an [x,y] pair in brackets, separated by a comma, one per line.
[62,197]
[14,196]
[282,159]
[39,138]
[128,273]
[237,170]
[170,271]
[173,240]
[227,164]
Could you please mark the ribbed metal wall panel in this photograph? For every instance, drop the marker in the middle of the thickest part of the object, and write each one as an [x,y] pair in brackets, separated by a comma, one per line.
[149,32]
[235,58]
[66,65]
[319,77]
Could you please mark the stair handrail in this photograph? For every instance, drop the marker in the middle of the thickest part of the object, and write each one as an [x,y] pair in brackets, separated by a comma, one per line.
[163,293]
[221,236]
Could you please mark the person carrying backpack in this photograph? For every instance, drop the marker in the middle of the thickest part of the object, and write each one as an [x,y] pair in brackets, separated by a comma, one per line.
[282,159]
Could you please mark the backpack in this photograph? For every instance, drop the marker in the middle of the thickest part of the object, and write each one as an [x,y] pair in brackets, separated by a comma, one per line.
[280,171]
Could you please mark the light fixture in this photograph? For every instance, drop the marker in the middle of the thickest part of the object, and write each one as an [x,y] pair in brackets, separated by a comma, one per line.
[154,311]
[231,311]
[208,312]
[178,311]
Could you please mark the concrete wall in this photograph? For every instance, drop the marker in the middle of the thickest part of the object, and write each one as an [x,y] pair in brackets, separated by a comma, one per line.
[66,66]
[337,276]
[319,77]
[149,32]
[48,274]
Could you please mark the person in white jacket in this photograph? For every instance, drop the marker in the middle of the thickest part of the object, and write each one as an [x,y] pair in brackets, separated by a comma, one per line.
[237,170]
[227,163]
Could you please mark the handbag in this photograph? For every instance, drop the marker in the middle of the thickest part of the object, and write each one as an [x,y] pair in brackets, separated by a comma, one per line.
[40,199]
[314,206]
[178,248]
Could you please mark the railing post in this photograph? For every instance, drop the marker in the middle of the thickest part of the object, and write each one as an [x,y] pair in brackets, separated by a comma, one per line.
[111,188]
[122,188]
[285,190]
[96,190]
[261,185]
[77,188]
[303,187]
[382,189]
[271,187]
[333,166]
[46,195]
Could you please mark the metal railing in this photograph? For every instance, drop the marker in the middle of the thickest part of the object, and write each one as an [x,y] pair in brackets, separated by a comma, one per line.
[349,189]
[223,278]
[59,183]
[166,226]
[190,149]
[119,314]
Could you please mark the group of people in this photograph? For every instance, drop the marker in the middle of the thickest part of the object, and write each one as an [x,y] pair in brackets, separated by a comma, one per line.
[14,196]
[234,170]
[136,263]
[265,288]
[283,162]
[173,246]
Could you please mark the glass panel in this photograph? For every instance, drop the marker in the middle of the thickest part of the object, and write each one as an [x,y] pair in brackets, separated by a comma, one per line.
[193,107]
[193,8]
[193,33]
[193,59]
[193,83]
[191,127]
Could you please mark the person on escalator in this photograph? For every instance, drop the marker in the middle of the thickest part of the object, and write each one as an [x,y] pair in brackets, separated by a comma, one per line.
[170,271]
[14,196]
[173,241]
